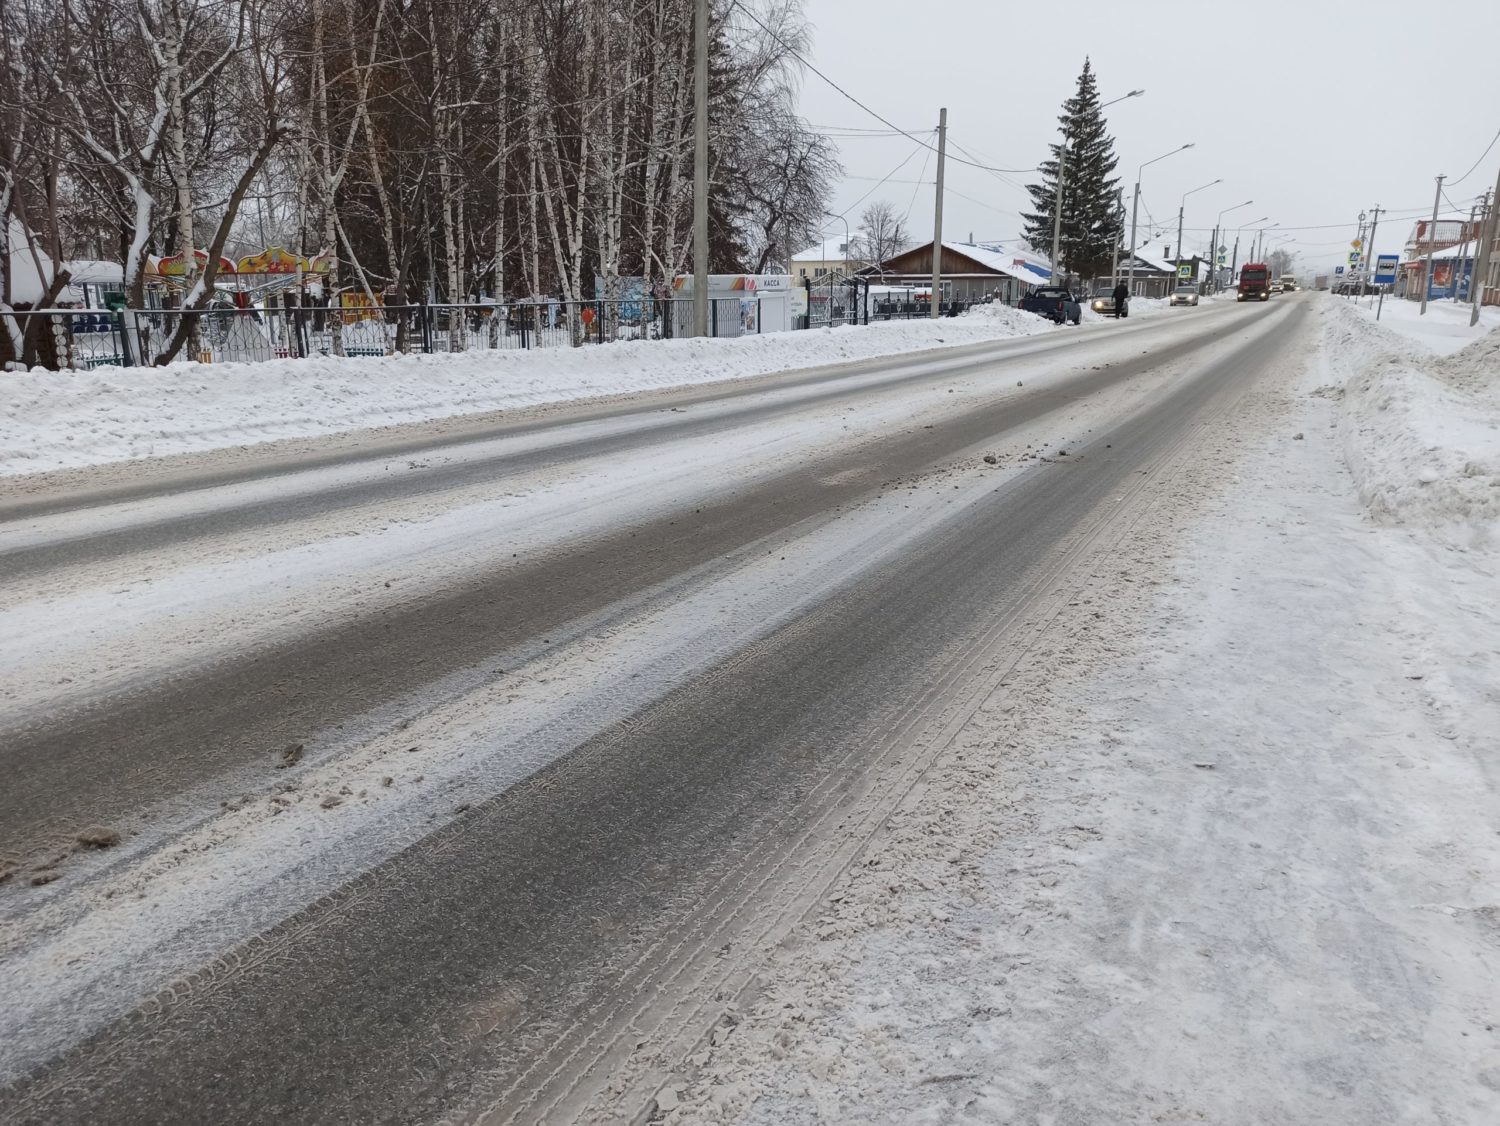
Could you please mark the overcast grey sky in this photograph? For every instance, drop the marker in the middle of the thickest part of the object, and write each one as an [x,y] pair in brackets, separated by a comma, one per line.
[1287,121]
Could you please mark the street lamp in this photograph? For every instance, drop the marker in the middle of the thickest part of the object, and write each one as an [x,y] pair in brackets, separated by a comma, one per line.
[1062,167]
[1234,263]
[1213,251]
[1261,240]
[845,221]
[1135,206]
[1180,206]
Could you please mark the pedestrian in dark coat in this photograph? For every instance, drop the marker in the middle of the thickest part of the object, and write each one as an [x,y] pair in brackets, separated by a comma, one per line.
[1121,293]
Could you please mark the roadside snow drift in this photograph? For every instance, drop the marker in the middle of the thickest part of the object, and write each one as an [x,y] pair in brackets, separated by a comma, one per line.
[1421,433]
[53,420]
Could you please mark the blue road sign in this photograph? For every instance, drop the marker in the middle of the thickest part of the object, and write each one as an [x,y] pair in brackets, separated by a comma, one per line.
[1385,269]
[1338,269]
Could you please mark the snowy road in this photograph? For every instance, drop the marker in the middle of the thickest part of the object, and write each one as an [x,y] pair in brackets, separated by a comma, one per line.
[453,771]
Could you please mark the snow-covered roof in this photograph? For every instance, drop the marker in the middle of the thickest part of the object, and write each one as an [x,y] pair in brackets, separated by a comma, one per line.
[833,249]
[1461,251]
[1020,264]
[1155,263]
[26,281]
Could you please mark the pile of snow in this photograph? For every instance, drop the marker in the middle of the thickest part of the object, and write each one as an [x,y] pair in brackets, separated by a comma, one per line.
[1444,329]
[1421,431]
[51,420]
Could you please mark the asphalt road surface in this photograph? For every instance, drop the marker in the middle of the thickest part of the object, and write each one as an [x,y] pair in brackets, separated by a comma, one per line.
[473,843]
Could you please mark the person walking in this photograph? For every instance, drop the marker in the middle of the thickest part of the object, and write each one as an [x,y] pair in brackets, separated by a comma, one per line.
[1121,295]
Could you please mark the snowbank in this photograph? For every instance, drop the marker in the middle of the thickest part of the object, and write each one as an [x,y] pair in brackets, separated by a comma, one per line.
[1445,329]
[1421,432]
[51,420]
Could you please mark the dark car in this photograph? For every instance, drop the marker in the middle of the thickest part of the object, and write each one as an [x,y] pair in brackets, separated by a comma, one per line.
[1055,302]
[1103,303]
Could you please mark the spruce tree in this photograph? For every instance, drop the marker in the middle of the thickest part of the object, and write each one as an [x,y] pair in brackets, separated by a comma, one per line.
[1090,211]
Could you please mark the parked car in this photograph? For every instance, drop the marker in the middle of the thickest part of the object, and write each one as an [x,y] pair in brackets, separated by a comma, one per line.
[1055,302]
[1103,303]
[1184,294]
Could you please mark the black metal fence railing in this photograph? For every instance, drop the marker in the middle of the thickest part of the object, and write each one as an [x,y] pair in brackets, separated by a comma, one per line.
[63,339]
[240,335]
[914,310]
[81,339]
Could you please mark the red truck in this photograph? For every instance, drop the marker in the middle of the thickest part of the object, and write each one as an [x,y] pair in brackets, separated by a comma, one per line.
[1255,282]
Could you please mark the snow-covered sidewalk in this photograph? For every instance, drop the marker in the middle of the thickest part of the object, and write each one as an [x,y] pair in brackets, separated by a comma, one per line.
[1444,330]
[1225,849]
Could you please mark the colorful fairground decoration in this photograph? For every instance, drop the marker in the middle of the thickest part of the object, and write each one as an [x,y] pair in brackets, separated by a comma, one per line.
[272,270]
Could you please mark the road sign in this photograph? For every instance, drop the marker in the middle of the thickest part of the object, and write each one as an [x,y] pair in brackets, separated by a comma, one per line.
[1222,259]
[1354,258]
[1223,250]
[1338,269]
[1358,243]
[1385,269]
[1185,270]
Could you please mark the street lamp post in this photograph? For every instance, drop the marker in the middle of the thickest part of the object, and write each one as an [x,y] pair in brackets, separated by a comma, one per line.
[1180,205]
[1062,172]
[1135,208]
[1213,250]
[845,221]
[1234,263]
[1260,240]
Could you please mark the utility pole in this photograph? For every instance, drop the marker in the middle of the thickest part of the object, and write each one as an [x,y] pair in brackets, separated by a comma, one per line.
[700,171]
[1114,258]
[1437,198]
[1359,250]
[1062,175]
[1482,262]
[1370,245]
[1474,212]
[937,212]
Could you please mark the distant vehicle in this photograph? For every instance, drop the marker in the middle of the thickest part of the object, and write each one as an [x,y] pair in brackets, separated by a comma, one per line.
[1103,303]
[1055,302]
[1255,282]
[1288,283]
[1186,293]
[1275,287]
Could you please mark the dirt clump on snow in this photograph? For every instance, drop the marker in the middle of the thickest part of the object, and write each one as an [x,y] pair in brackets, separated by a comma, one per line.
[97,836]
[291,756]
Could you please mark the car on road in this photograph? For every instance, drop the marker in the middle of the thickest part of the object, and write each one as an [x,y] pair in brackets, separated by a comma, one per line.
[1055,302]
[1185,294]
[1103,303]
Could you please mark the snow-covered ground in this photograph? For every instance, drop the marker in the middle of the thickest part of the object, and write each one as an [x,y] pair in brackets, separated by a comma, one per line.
[51,420]
[1444,330]
[76,636]
[1224,850]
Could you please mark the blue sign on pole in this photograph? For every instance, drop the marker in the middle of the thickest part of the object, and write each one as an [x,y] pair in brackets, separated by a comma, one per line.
[1338,269]
[1385,269]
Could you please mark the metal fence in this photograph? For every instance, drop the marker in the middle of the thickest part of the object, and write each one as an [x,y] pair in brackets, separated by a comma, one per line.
[77,339]
[239,335]
[82,339]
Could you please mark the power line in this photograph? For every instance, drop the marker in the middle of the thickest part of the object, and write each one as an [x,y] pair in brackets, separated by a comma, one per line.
[789,49]
[913,201]
[844,214]
[1478,162]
